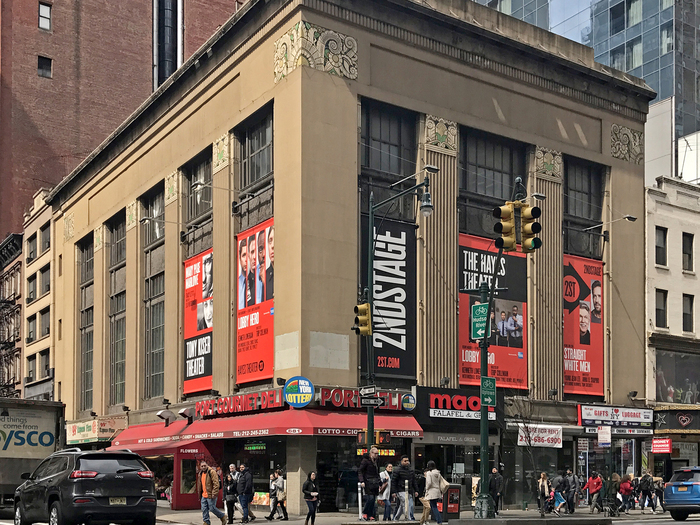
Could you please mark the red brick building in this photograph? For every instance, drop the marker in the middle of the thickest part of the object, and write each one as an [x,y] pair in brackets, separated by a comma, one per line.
[71,72]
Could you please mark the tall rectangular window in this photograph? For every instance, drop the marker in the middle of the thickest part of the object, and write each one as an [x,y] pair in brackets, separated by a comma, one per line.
[31,248]
[44,364]
[634,12]
[45,322]
[617,18]
[31,289]
[583,190]
[44,67]
[661,296]
[688,301]
[666,38]
[31,329]
[85,278]
[45,237]
[688,251]
[167,38]
[199,187]
[660,252]
[31,369]
[634,53]
[154,298]
[44,16]
[255,141]
[388,139]
[117,308]
[45,274]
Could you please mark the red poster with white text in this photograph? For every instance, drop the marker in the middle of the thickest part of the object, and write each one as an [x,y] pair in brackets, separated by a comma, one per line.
[255,283]
[478,259]
[584,326]
[199,316]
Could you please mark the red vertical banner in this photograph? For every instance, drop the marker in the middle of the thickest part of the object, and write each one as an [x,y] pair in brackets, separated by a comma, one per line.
[199,317]
[509,331]
[255,284]
[584,326]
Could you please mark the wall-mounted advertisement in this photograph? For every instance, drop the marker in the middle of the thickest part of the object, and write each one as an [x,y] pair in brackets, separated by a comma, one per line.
[677,377]
[478,258]
[583,326]
[255,283]
[394,301]
[199,320]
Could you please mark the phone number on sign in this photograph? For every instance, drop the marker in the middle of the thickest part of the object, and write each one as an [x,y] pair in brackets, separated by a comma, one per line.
[550,440]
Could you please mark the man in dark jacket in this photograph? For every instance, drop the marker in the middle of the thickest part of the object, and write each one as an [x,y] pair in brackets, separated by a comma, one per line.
[245,490]
[574,489]
[368,475]
[398,486]
[495,487]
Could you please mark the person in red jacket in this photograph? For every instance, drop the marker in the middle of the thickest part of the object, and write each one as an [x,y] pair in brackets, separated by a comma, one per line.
[626,492]
[594,484]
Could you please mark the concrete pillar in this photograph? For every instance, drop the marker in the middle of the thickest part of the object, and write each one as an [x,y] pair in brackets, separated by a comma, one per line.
[301,459]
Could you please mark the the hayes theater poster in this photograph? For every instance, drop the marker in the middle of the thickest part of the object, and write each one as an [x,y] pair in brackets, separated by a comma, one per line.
[255,283]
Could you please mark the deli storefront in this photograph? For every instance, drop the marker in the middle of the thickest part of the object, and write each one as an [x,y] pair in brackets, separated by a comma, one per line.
[264,431]
[450,419]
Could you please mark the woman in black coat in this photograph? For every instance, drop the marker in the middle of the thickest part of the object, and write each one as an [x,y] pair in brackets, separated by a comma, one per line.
[310,490]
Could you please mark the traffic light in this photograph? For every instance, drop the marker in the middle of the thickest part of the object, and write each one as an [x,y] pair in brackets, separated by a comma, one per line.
[529,228]
[363,319]
[362,437]
[506,227]
[383,437]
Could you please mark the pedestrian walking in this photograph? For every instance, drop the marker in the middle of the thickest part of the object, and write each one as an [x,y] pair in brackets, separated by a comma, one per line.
[561,489]
[425,515]
[613,491]
[368,474]
[385,491]
[208,490]
[544,489]
[646,485]
[244,488]
[495,487]
[574,489]
[229,492]
[659,492]
[594,485]
[277,497]
[626,493]
[432,490]
[401,475]
[310,490]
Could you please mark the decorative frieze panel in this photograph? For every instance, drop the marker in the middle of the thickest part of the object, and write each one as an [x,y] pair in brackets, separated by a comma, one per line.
[313,46]
[221,154]
[172,185]
[131,215]
[548,162]
[441,134]
[68,227]
[99,237]
[627,144]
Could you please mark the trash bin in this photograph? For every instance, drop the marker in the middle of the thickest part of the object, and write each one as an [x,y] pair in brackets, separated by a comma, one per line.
[449,506]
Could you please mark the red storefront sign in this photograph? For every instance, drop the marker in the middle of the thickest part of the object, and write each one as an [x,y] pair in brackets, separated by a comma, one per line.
[253,402]
[350,398]
[662,446]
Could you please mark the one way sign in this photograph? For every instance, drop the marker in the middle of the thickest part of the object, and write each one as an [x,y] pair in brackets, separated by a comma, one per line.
[372,402]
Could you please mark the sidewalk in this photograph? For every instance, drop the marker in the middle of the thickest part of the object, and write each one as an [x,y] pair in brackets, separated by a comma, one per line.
[194,517]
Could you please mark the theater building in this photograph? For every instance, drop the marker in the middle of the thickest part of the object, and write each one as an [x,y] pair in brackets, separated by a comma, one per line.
[211,250]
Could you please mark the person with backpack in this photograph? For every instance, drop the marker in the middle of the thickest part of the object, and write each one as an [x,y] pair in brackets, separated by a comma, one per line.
[561,489]
[208,489]
[432,490]
[646,485]
[229,492]
[594,485]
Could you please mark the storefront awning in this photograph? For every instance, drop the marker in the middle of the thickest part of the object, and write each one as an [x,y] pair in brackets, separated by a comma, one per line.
[155,449]
[309,422]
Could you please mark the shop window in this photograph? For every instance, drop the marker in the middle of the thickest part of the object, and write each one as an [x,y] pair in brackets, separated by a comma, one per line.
[661,298]
[188,476]
[677,377]
[660,252]
[688,251]
[688,301]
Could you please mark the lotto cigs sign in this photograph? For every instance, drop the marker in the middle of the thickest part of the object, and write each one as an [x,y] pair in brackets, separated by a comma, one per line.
[394,301]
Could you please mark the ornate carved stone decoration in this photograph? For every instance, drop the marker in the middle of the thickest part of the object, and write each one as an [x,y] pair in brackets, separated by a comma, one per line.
[441,133]
[221,155]
[99,237]
[68,227]
[548,162]
[171,187]
[627,144]
[131,215]
[310,45]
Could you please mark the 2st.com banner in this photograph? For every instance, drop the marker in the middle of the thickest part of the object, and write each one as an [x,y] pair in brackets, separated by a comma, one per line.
[255,284]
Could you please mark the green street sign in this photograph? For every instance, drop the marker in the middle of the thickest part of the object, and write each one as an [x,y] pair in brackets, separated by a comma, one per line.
[480,326]
[488,391]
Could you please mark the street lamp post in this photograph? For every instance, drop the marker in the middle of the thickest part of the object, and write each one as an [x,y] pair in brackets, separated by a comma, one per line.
[426,208]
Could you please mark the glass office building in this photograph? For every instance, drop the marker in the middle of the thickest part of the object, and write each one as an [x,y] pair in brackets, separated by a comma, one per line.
[653,39]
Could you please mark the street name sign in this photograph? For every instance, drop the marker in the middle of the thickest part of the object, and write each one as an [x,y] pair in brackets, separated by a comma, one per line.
[480,326]
[488,391]
[372,402]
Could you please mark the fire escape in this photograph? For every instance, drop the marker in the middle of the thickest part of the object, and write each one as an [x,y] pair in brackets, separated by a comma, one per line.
[9,335]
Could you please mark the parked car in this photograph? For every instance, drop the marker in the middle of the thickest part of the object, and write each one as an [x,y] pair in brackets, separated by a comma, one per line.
[76,486]
[682,493]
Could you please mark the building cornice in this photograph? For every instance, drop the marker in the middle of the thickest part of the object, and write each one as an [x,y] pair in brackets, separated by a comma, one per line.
[666,342]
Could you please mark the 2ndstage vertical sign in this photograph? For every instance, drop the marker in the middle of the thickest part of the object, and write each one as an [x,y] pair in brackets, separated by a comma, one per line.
[199,317]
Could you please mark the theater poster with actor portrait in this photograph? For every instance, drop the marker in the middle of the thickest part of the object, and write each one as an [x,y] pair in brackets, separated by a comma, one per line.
[199,319]
[478,258]
[255,284]
[583,326]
